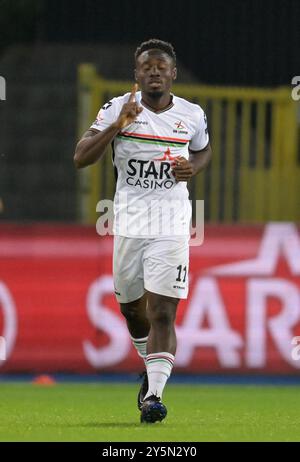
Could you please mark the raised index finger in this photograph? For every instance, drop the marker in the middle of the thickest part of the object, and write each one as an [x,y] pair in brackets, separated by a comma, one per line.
[131,98]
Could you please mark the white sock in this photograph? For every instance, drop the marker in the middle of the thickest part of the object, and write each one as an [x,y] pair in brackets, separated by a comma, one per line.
[159,367]
[140,344]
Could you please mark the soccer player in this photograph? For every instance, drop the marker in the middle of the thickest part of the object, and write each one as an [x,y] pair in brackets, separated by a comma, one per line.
[160,141]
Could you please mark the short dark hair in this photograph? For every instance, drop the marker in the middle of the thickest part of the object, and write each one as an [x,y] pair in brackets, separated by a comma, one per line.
[157,44]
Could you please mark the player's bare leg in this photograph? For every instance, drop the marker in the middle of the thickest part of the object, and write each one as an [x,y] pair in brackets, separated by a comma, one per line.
[161,313]
[161,348]
[135,314]
[138,325]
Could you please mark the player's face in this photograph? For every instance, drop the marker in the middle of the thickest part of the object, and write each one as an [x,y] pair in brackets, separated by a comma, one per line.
[155,72]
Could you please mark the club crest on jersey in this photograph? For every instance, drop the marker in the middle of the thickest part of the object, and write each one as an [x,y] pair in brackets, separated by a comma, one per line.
[180,128]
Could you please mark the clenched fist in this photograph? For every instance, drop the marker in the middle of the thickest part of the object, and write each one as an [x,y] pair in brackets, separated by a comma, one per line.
[182,169]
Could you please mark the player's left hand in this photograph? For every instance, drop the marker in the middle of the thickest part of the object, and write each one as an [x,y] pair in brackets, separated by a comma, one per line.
[182,169]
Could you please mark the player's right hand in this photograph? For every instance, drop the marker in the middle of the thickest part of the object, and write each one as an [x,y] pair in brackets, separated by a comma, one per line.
[130,110]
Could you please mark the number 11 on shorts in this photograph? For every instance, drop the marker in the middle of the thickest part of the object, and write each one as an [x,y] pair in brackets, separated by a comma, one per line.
[180,273]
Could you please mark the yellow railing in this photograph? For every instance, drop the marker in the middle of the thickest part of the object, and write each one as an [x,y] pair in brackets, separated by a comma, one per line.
[254,175]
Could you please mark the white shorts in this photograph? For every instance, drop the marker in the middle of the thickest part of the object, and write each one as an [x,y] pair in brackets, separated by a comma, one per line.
[159,265]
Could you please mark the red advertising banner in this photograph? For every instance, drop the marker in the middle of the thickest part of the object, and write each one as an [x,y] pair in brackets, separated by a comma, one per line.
[58,312]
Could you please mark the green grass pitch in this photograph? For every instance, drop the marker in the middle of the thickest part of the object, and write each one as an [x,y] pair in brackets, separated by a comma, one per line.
[108,412]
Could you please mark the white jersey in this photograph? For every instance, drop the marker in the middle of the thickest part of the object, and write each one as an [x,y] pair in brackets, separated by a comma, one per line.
[148,200]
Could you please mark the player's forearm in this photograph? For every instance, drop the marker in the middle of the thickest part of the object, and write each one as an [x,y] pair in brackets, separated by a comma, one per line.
[200,161]
[92,148]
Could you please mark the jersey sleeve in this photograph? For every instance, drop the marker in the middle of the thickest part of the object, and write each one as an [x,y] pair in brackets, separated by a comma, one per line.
[107,115]
[201,137]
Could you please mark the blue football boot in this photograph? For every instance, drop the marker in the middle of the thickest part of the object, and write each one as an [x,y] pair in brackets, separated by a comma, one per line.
[153,410]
